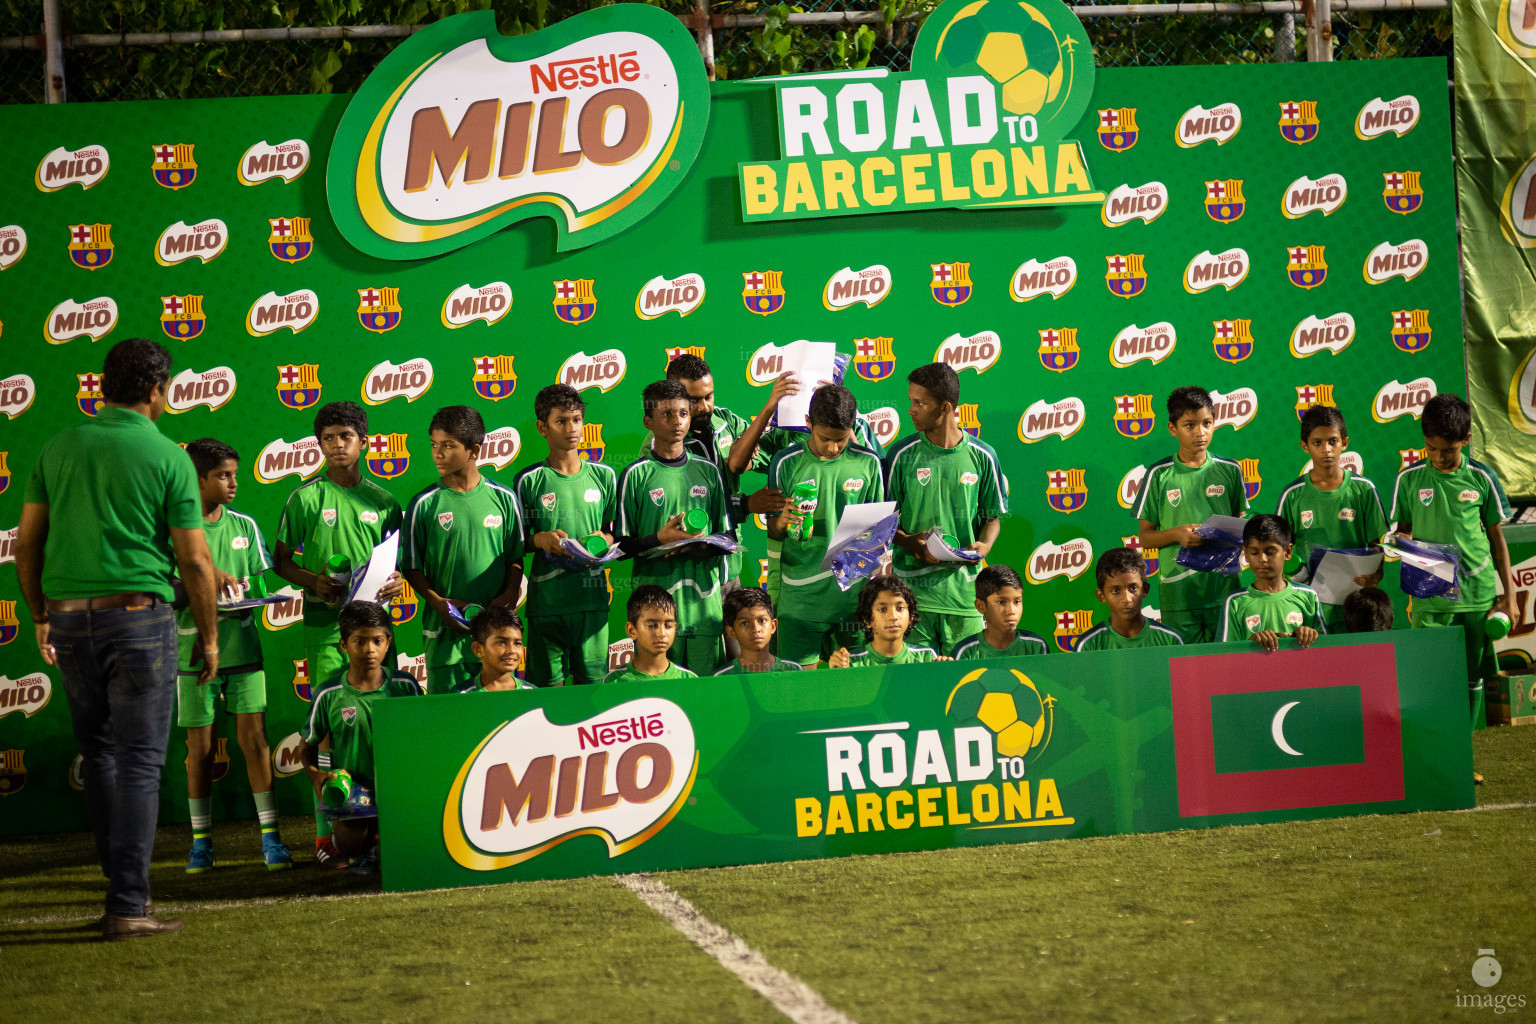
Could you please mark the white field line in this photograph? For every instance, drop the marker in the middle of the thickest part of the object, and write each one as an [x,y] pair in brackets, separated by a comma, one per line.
[788,994]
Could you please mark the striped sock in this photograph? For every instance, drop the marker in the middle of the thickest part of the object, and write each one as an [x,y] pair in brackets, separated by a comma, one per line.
[202,816]
[266,812]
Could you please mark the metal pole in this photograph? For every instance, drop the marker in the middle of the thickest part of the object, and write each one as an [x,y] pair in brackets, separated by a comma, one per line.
[1285,38]
[1320,30]
[53,87]
[706,34]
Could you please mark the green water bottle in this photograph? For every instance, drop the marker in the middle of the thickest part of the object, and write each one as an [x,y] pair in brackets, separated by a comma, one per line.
[1497,626]
[339,569]
[803,500]
[335,793]
[695,520]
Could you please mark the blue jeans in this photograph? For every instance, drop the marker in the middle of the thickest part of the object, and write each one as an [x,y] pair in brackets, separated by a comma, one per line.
[119,672]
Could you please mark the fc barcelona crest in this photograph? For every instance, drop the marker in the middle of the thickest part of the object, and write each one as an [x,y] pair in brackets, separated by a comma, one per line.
[1148,555]
[378,309]
[1410,330]
[873,358]
[1117,129]
[298,386]
[575,302]
[1233,340]
[697,351]
[290,240]
[301,684]
[1134,416]
[1224,200]
[174,167]
[762,291]
[90,245]
[1252,482]
[1058,348]
[1070,627]
[1298,121]
[1127,274]
[89,397]
[951,284]
[5,473]
[13,773]
[181,316]
[388,456]
[592,446]
[967,420]
[1065,489]
[9,623]
[1401,191]
[494,378]
[1307,268]
[1308,395]
[403,606]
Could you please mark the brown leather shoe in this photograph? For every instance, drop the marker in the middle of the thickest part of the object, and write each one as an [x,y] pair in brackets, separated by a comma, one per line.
[114,928]
[101,922]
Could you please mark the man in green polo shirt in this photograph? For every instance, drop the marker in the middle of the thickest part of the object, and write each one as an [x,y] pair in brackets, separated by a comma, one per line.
[108,503]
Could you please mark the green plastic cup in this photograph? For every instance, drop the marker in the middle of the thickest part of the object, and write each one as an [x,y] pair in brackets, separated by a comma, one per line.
[695,520]
[596,546]
[335,793]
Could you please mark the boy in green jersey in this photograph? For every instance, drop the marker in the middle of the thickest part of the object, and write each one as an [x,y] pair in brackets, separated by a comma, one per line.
[1274,606]
[497,641]
[888,610]
[654,494]
[565,497]
[943,480]
[1331,507]
[1178,494]
[1451,498]
[239,558]
[1120,578]
[652,625]
[1000,599]
[337,515]
[462,545]
[750,622]
[818,616]
[342,712]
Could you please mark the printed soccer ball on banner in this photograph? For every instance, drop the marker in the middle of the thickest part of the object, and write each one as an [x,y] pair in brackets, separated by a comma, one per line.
[1010,43]
[1008,704]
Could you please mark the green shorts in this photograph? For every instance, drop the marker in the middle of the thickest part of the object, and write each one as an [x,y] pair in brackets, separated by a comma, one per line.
[1194,625]
[700,655]
[1482,663]
[561,647]
[447,678]
[807,642]
[322,648]
[943,630]
[245,693]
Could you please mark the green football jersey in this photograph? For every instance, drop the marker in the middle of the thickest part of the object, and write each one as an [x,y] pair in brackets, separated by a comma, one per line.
[580,504]
[345,714]
[238,548]
[1251,611]
[476,687]
[807,591]
[910,654]
[463,542]
[1454,508]
[326,519]
[650,493]
[1348,517]
[1173,494]
[1104,638]
[736,668]
[954,490]
[629,674]
[976,646]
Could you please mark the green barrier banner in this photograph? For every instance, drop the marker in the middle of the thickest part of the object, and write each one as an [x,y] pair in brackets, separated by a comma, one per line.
[1496,191]
[744,769]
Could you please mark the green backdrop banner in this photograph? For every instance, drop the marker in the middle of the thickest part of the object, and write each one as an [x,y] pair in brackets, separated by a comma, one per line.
[1496,187]
[702,773]
[1247,243]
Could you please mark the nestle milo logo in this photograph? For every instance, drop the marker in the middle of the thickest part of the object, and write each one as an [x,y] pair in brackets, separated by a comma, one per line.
[462,131]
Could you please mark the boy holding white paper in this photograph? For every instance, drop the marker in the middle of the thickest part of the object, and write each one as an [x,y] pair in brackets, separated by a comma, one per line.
[816,616]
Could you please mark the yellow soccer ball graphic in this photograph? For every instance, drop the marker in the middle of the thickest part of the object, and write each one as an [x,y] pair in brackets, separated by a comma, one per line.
[1012,44]
[1007,703]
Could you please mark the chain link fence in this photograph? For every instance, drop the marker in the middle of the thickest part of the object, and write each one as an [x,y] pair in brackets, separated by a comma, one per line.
[750,39]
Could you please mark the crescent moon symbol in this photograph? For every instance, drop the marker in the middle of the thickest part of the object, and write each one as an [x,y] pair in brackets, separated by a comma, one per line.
[1277,729]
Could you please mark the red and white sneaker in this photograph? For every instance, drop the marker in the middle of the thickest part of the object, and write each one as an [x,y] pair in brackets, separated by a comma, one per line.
[326,855]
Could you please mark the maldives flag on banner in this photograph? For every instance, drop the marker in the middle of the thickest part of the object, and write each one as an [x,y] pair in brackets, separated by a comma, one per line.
[1271,732]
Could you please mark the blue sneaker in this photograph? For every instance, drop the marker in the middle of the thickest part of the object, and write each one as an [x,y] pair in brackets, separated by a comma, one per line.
[201,857]
[275,853]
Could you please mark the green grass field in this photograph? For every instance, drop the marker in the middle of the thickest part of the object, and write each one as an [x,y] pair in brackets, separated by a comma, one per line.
[1366,918]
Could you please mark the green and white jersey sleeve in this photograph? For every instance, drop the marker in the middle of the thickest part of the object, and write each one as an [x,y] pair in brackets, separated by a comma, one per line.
[1173,494]
[325,520]
[1104,638]
[1348,517]
[953,490]
[464,542]
[652,492]
[344,713]
[581,504]
[238,548]
[975,647]
[1251,611]
[807,591]
[1454,508]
